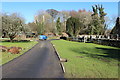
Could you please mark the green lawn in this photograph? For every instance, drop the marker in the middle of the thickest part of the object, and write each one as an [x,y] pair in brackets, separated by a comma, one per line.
[88,60]
[6,57]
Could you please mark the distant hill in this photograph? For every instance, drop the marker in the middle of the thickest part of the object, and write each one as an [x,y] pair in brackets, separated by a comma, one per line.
[52,12]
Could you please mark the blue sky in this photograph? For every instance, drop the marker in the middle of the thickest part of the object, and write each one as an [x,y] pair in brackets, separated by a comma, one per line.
[29,9]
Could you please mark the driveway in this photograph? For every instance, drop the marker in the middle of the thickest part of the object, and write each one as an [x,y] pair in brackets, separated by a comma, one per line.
[39,62]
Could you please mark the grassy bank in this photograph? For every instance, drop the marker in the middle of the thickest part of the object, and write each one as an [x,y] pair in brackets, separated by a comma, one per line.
[6,57]
[88,60]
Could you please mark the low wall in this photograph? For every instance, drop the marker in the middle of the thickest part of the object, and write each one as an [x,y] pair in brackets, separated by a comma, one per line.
[108,42]
[102,41]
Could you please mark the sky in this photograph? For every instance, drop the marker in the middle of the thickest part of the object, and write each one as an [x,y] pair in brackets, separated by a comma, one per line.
[29,9]
[60,0]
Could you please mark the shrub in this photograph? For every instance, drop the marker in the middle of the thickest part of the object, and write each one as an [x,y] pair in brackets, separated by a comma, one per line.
[64,38]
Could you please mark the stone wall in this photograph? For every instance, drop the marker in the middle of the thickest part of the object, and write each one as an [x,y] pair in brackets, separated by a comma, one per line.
[108,42]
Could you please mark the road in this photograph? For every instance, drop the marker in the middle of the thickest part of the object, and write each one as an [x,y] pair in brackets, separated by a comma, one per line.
[39,62]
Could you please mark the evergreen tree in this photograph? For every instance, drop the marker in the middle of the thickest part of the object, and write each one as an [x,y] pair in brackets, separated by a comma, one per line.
[97,26]
[102,18]
[40,27]
[73,26]
[58,26]
[102,14]
[116,29]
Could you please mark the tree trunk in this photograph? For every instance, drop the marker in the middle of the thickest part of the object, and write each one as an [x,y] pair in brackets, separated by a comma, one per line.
[11,38]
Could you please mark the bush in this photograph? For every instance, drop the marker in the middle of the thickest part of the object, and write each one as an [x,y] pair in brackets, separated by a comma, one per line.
[64,38]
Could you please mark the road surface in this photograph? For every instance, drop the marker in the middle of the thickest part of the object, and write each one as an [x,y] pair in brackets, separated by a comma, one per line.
[39,62]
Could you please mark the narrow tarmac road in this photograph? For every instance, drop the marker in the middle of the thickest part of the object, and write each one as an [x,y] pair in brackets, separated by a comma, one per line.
[40,62]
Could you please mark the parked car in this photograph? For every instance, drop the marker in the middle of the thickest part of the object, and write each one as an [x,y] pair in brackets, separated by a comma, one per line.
[42,37]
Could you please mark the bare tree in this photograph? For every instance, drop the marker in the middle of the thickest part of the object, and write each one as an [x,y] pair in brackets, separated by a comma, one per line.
[44,22]
[74,14]
[66,15]
[85,19]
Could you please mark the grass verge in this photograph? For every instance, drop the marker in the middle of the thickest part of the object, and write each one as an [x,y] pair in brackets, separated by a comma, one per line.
[88,60]
[6,57]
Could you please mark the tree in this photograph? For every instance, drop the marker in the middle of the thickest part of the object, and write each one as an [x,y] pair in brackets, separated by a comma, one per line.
[95,10]
[32,26]
[102,18]
[97,24]
[110,21]
[44,22]
[116,29]
[85,20]
[27,29]
[66,15]
[74,14]
[58,26]
[12,25]
[39,21]
[102,14]
[95,21]
[53,13]
[40,27]
[73,26]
